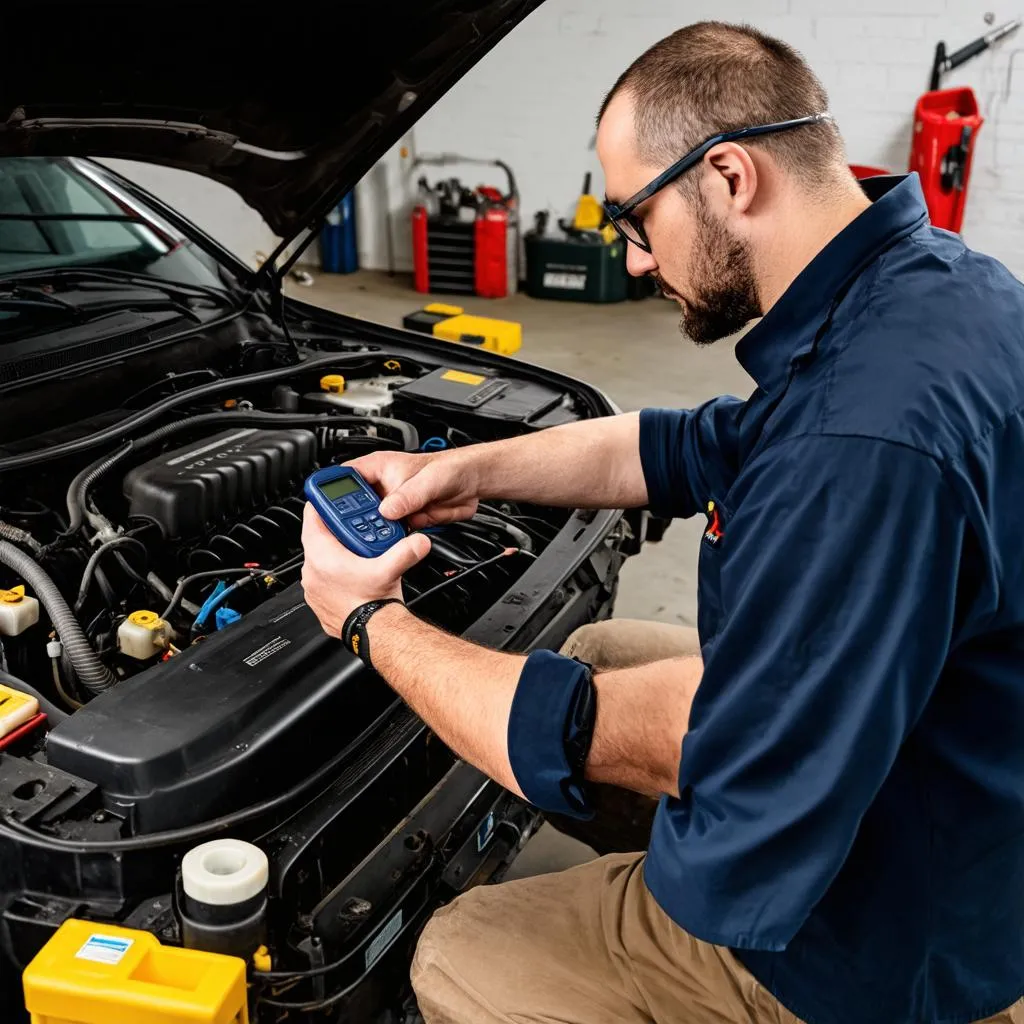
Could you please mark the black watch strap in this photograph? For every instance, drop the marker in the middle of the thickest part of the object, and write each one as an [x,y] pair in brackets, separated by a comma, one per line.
[353,633]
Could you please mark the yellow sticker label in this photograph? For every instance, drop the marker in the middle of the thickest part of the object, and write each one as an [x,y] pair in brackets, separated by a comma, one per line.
[462,378]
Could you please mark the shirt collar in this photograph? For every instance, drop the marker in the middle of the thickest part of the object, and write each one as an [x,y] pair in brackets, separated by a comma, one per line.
[789,329]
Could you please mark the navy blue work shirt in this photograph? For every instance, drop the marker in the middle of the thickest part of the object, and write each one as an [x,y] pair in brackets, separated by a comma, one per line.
[851,810]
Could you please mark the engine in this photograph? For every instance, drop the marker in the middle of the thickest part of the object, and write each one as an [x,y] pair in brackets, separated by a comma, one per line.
[200,671]
[222,479]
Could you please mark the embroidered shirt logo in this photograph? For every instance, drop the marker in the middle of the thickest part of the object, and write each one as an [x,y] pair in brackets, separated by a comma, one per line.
[714,533]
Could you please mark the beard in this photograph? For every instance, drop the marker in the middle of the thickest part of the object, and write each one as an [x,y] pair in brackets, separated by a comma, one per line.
[723,285]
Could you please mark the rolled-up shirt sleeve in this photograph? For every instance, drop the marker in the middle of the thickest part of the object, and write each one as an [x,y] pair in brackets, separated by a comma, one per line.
[685,454]
[546,718]
[839,580]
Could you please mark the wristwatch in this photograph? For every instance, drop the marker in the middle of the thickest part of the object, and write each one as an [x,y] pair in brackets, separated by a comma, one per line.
[353,633]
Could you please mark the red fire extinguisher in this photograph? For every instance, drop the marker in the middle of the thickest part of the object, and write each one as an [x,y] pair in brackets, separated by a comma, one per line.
[946,126]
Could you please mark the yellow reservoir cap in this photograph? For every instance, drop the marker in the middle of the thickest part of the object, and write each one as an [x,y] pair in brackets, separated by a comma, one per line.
[91,973]
[333,383]
[13,596]
[150,620]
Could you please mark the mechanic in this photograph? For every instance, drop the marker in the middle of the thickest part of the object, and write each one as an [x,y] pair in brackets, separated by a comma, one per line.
[840,834]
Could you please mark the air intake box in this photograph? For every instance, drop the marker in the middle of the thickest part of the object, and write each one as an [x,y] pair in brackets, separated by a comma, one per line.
[241,716]
[191,489]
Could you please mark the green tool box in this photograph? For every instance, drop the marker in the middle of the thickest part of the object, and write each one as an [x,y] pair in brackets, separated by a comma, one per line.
[575,270]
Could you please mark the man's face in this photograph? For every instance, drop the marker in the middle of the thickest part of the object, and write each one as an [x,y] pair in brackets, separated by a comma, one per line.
[695,260]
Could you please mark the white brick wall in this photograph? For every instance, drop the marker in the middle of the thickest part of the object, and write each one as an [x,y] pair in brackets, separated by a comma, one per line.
[532,101]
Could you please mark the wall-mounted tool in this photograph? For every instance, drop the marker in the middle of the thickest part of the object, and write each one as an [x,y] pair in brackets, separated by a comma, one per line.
[944,63]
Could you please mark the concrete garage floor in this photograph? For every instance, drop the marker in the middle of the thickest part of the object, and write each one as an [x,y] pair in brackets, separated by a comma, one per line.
[634,352]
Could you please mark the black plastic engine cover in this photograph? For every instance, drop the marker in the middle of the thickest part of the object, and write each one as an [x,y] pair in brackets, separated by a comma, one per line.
[191,489]
[249,711]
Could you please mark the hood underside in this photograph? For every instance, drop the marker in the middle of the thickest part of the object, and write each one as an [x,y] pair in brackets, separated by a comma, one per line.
[290,112]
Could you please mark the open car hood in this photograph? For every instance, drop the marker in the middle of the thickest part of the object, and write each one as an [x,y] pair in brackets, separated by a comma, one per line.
[290,112]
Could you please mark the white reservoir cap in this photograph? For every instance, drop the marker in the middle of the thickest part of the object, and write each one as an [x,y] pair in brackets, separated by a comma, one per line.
[224,872]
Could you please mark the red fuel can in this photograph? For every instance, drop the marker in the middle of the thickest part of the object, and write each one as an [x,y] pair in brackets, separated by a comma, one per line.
[946,126]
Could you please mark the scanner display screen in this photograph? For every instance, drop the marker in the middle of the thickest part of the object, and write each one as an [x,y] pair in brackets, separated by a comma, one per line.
[339,488]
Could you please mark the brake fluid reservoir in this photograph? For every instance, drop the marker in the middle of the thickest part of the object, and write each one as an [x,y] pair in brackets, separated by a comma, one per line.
[142,635]
[17,611]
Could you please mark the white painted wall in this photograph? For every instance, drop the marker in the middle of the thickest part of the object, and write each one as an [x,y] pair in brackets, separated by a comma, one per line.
[532,101]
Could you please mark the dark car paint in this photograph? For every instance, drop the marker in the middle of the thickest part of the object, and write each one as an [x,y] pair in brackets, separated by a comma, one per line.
[290,113]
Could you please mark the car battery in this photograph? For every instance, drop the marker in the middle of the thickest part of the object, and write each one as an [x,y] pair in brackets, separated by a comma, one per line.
[581,267]
[90,973]
[486,396]
[452,323]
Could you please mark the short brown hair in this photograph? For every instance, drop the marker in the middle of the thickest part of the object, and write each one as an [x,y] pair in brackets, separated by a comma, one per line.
[712,77]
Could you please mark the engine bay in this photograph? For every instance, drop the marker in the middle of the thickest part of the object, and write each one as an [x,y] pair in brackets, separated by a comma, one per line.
[150,601]
[167,565]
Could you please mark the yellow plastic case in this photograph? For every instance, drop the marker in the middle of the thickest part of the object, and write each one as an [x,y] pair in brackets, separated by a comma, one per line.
[453,323]
[502,336]
[92,973]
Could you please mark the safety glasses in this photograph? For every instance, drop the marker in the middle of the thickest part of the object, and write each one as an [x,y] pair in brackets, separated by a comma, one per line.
[630,226]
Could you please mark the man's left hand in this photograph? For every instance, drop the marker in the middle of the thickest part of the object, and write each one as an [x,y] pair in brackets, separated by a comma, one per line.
[336,581]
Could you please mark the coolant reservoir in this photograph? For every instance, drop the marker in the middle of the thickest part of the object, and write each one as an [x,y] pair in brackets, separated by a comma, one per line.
[17,611]
[370,397]
[142,635]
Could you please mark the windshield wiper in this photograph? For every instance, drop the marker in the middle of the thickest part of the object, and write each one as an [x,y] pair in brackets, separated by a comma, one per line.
[123,277]
[23,297]
[19,296]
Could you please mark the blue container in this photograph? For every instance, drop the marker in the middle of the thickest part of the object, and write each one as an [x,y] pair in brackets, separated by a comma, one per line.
[339,253]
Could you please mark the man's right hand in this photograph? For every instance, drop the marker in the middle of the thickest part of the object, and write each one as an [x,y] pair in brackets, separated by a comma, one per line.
[591,464]
[423,490]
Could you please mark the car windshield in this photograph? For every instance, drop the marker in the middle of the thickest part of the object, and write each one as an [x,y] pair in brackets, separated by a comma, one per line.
[62,213]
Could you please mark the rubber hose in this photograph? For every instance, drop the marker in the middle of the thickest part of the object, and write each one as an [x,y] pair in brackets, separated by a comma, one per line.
[52,712]
[16,536]
[91,672]
[78,492]
[520,536]
[441,547]
[94,560]
[117,431]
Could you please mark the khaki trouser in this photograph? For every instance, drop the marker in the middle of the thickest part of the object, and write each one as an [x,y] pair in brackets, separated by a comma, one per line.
[589,945]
